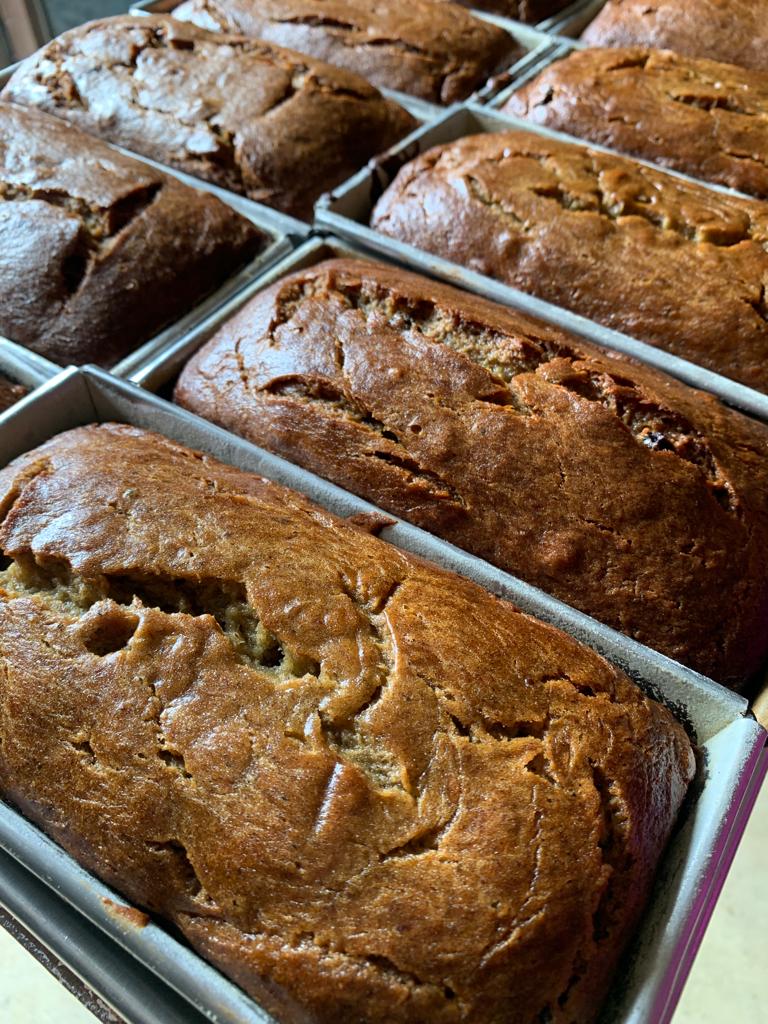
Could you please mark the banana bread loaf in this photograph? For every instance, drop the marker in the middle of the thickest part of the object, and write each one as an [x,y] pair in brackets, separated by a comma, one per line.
[98,251]
[734,31]
[665,260]
[245,115]
[368,790]
[439,52]
[470,419]
[707,119]
[10,392]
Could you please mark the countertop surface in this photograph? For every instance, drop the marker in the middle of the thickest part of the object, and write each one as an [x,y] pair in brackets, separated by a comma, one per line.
[727,982]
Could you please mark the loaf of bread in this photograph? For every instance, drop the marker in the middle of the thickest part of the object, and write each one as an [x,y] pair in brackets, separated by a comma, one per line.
[367,789]
[704,118]
[438,52]
[99,251]
[734,31]
[618,490]
[670,262]
[248,116]
[10,392]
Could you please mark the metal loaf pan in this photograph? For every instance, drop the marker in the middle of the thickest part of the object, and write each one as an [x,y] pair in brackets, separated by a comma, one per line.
[534,40]
[346,212]
[732,744]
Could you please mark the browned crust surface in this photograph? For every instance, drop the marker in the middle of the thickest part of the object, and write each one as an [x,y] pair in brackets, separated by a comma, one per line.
[635,498]
[665,260]
[369,790]
[702,117]
[98,251]
[437,51]
[271,124]
[735,31]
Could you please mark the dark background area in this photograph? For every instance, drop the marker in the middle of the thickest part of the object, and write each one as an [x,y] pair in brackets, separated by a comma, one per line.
[64,14]
[49,18]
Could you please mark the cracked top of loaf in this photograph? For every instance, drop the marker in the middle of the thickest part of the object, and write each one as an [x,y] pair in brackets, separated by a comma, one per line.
[439,52]
[268,123]
[668,261]
[701,117]
[735,31]
[469,419]
[100,251]
[367,789]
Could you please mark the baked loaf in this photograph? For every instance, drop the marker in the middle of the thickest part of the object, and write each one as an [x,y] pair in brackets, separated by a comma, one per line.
[268,123]
[707,119]
[98,251]
[367,789]
[438,52]
[10,392]
[620,491]
[665,260]
[734,31]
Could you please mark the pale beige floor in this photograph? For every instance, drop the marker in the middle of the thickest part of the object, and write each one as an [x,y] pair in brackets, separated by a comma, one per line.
[727,983]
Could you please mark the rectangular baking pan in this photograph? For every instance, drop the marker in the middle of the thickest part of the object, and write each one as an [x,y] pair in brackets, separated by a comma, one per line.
[733,745]
[535,42]
[346,212]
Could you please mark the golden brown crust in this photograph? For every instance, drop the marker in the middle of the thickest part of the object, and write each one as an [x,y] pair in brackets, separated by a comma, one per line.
[368,789]
[701,117]
[99,251]
[266,122]
[618,490]
[438,52]
[735,31]
[665,260]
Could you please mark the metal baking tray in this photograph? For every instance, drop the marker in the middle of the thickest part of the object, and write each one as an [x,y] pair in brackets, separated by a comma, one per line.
[346,212]
[554,23]
[534,41]
[733,749]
